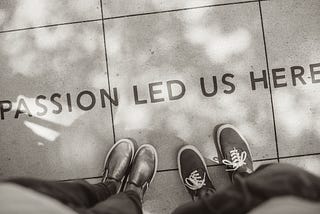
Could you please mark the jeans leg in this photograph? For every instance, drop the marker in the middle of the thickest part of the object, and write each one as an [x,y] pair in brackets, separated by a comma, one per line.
[191,208]
[267,182]
[123,203]
[73,194]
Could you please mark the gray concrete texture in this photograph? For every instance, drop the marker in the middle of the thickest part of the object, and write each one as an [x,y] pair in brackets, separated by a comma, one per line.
[53,48]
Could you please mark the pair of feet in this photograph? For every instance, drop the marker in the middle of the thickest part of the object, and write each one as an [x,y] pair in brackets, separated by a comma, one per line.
[135,170]
[130,169]
[235,154]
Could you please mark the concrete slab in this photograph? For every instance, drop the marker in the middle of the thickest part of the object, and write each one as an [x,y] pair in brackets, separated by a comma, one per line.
[114,8]
[309,163]
[54,73]
[31,13]
[225,43]
[293,39]
[158,54]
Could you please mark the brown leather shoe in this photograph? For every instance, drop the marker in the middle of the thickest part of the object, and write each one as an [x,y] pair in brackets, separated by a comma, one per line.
[143,170]
[118,161]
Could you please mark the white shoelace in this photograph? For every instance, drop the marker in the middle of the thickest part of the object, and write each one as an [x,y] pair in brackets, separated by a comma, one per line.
[238,159]
[194,181]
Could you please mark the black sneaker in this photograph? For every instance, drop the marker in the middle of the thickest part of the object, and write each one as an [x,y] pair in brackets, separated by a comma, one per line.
[235,151]
[194,172]
[118,161]
[143,170]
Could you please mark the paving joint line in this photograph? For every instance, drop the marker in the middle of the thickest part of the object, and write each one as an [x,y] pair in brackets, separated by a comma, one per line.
[269,81]
[298,156]
[107,69]
[180,9]
[48,26]
[128,15]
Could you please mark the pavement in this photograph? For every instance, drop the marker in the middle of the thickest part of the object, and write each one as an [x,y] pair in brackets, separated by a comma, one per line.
[78,75]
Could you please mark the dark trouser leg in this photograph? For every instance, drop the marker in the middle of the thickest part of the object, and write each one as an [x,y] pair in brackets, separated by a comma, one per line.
[123,203]
[73,194]
[247,193]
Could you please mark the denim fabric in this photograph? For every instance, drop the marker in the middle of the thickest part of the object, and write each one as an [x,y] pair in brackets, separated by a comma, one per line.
[248,192]
[84,197]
